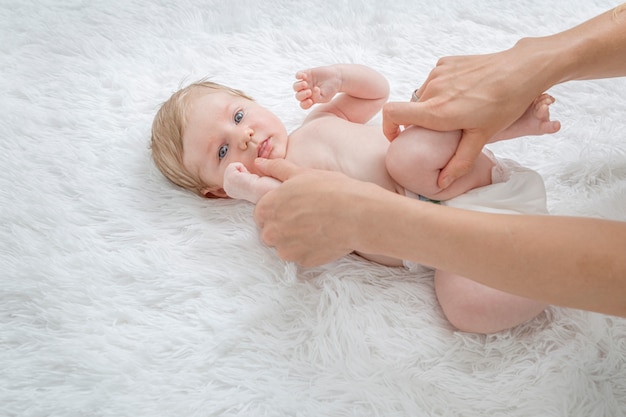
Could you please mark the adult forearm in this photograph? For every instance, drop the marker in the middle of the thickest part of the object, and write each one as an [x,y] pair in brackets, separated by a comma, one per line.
[316,216]
[575,262]
[593,49]
[602,49]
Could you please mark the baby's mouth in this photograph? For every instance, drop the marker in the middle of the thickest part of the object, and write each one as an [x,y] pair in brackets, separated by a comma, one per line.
[265,148]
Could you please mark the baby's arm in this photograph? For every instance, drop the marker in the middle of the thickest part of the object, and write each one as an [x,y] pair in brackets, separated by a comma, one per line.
[239,183]
[364,91]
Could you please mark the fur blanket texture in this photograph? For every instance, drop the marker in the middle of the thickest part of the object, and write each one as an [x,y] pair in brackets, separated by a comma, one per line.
[123,295]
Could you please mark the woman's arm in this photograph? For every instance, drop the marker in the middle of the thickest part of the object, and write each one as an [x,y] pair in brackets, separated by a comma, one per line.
[315,217]
[483,94]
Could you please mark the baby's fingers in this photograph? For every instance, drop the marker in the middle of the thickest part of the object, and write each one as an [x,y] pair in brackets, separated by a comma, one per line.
[300,85]
[302,95]
[301,75]
[306,104]
[316,95]
[235,168]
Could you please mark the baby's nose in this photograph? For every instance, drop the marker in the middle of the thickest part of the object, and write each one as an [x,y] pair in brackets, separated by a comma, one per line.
[247,137]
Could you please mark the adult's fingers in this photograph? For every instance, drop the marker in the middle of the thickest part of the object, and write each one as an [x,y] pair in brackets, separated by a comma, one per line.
[280,169]
[462,161]
[396,114]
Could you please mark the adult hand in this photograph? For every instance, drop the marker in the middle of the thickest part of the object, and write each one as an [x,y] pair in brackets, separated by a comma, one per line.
[480,94]
[304,218]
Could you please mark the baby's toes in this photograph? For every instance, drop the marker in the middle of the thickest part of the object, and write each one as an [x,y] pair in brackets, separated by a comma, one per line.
[542,108]
[545,97]
[541,111]
[551,126]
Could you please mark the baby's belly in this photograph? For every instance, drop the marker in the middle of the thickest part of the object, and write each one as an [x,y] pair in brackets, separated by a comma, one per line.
[374,172]
[358,152]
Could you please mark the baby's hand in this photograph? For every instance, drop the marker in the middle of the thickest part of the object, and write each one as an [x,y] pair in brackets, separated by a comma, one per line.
[240,184]
[317,85]
[238,181]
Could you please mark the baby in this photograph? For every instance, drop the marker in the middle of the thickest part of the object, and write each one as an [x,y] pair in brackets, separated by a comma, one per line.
[206,137]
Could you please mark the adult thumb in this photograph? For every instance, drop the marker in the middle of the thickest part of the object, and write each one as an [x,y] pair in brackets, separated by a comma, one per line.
[280,169]
[462,162]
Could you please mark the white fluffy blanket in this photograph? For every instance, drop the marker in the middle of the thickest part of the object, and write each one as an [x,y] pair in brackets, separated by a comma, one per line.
[122,295]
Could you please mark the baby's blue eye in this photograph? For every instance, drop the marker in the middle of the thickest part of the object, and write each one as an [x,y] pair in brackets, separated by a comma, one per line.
[238,116]
[222,151]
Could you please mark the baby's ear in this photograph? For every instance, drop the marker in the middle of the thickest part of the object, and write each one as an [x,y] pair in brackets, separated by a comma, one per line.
[214,193]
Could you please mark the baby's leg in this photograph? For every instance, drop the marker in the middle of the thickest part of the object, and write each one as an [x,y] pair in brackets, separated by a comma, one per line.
[415,158]
[473,307]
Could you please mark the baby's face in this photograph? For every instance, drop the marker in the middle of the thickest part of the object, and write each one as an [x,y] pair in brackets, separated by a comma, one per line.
[222,128]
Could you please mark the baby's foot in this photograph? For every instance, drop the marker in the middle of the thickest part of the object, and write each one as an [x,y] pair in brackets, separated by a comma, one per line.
[536,119]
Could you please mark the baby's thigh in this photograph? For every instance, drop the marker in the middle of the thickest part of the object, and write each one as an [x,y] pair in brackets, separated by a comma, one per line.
[430,148]
[416,156]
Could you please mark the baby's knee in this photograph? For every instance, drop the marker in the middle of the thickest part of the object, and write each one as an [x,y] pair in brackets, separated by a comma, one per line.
[397,162]
[474,308]
[422,147]
[471,317]
[475,317]
[408,157]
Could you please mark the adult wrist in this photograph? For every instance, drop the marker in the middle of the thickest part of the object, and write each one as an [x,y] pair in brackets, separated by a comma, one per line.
[547,62]
[366,216]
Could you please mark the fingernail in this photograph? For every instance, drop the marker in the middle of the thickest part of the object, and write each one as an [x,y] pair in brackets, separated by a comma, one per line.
[445,183]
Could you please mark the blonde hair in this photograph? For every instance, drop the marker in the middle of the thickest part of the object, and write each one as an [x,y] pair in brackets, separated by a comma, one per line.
[168,128]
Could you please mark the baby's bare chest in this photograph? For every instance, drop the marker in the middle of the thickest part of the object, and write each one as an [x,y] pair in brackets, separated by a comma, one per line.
[356,150]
